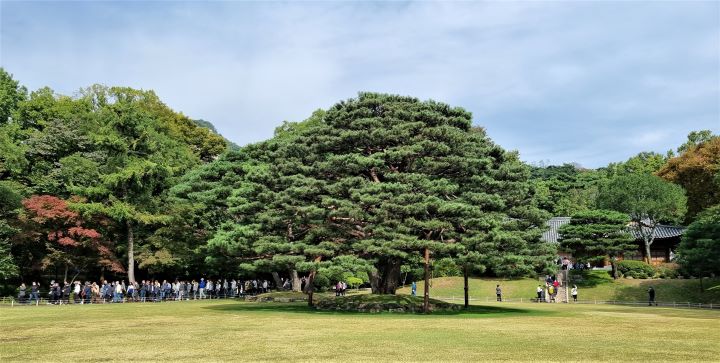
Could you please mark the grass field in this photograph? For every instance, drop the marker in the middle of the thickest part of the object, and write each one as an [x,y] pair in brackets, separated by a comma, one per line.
[230,330]
[622,289]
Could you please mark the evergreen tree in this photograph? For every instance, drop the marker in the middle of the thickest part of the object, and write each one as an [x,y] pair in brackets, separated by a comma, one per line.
[598,233]
[699,250]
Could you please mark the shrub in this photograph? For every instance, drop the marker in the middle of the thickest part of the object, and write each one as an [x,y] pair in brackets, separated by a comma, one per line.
[446,267]
[635,269]
[666,271]
[354,282]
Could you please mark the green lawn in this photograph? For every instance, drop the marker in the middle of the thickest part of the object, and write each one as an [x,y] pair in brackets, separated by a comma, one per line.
[229,330]
[621,290]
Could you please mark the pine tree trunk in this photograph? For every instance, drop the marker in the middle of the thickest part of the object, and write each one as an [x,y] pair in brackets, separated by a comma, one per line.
[467,295]
[386,278]
[278,282]
[426,294]
[310,286]
[131,252]
[296,282]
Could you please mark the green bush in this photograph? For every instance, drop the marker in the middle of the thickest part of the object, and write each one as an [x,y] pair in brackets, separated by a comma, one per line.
[666,271]
[446,267]
[635,269]
[354,282]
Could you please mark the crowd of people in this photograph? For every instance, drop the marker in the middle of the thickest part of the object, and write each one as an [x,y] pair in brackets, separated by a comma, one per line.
[549,292]
[144,291]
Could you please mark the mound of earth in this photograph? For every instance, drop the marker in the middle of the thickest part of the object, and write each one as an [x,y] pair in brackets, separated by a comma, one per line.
[383,303]
[280,296]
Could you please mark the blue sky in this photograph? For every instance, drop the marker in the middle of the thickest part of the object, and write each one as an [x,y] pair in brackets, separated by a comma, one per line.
[586,82]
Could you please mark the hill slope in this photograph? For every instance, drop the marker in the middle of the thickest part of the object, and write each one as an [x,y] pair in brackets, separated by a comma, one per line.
[621,290]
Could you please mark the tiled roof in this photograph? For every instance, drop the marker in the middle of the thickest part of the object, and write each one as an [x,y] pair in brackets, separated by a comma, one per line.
[551,235]
[661,231]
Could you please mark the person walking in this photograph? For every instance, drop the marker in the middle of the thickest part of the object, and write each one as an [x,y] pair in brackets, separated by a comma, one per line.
[573,292]
[651,296]
[498,292]
[413,288]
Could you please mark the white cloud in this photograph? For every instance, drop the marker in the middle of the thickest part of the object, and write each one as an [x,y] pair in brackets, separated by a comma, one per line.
[557,81]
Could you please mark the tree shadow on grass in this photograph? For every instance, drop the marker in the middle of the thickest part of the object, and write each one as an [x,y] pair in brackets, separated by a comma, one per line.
[302,308]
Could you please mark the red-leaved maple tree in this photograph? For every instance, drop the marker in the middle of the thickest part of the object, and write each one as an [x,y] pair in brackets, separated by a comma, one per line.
[67,240]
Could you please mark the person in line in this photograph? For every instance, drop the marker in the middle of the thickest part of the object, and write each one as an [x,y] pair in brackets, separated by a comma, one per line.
[565,263]
[35,292]
[21,293]
[131,291]
[76,292]
[573,292]
[651,296]
[87,293]
[202,286]
[95,293]
[539,292]
[118,292]
[498,292]
[551,293]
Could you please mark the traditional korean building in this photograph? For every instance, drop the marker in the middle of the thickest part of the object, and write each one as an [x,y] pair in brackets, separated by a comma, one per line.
[662,250]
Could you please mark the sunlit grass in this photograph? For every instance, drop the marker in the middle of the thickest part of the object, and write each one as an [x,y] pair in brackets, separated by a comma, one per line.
[231,331]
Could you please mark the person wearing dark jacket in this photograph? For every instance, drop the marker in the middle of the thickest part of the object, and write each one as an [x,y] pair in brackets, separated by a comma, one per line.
[651,296]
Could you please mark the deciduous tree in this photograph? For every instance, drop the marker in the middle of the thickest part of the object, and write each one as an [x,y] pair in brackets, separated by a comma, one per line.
[647,199]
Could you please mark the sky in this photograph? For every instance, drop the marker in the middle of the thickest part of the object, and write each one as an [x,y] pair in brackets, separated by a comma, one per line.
[562,81]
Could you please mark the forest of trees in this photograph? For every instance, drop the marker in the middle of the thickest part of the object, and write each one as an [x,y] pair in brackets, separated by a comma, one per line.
[112,182]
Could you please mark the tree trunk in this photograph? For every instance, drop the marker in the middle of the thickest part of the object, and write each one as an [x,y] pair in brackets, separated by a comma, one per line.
[426,294]
[296,282]
[647,253]
[65,275]
[131,252]
[310,287]
[278,282]
[386,278]
[613,264]
[467,295]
